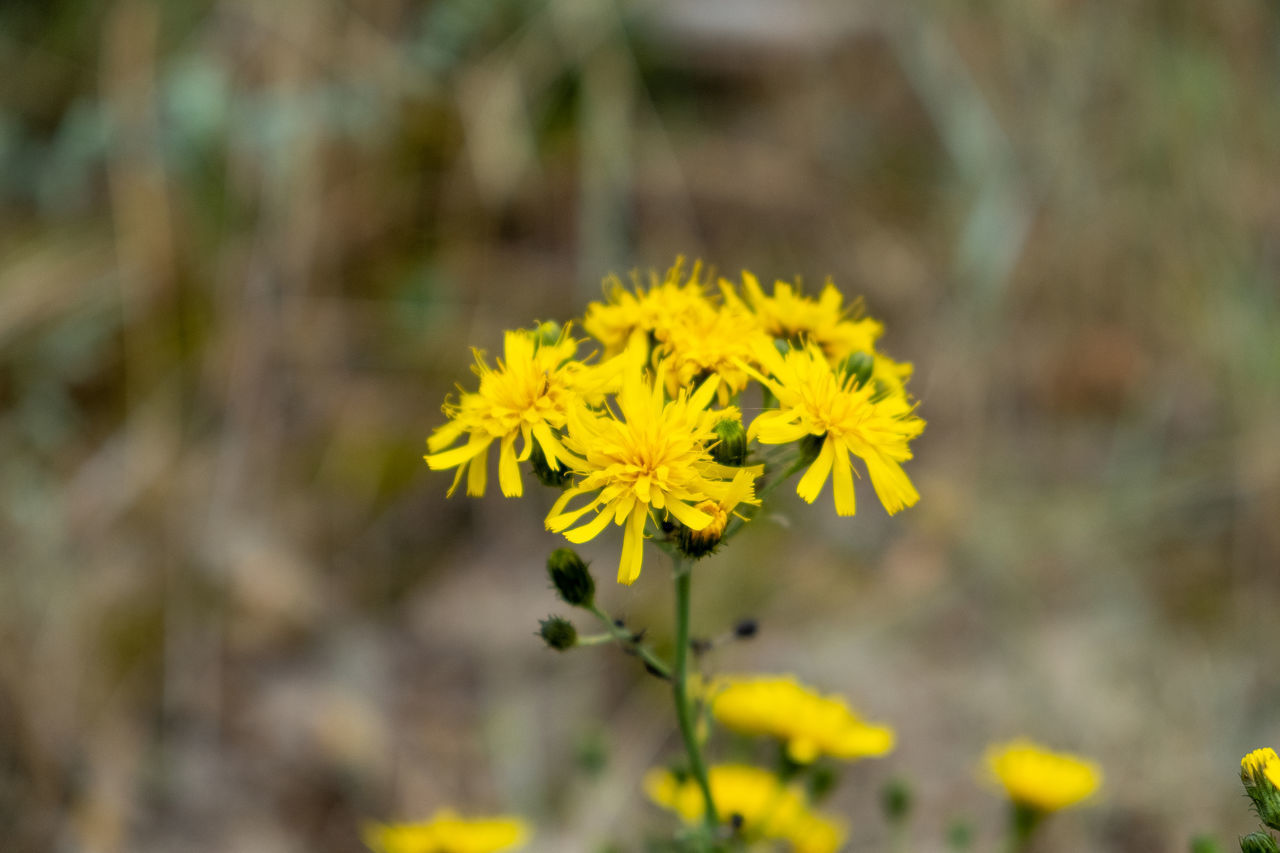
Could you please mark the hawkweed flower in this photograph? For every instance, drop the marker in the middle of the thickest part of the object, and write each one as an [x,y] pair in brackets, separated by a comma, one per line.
[643,315]
[706,341]
[527,396]
[838,330]
[1040,780]
[1260,773]
[815,400]
[446,832]
[652,456]
[756,802]
[807,722]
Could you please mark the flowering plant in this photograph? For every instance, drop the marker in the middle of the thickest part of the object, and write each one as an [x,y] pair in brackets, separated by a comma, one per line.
[640,425]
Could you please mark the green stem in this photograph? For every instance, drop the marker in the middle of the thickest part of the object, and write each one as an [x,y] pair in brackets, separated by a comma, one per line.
[680,688]
[628,641]
[1023,822]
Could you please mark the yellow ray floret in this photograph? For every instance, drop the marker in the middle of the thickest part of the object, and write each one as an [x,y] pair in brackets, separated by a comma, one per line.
[632,317]
[652,455]
[528,397]
[815,399]
[809,723]
[446,832]
[1039,779]
[769,809]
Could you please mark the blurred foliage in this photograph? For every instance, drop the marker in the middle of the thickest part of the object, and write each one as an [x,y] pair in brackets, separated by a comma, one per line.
[244,249]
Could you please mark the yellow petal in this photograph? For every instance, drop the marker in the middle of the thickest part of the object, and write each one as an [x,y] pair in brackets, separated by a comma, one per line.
[842,480]
[509,468]
[476,475]
[632,546]
[591,529]
[812,481]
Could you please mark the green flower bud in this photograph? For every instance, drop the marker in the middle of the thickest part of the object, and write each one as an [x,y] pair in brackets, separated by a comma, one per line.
[959,835]
[548,476]
[558,633]
[571,578]
[1258,842]
[811,446]
[732,448]
[548,333]
[858,365]
[896,799]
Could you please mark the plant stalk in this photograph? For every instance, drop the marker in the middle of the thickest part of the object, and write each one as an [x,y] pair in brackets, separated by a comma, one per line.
[680,689]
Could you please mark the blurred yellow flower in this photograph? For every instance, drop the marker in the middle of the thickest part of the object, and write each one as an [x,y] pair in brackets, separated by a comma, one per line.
[641,315]
[815,399]
[527,397]
[809,723]
[1039,779]
[652,454]
[446,832]
[1262,762]
[768,808]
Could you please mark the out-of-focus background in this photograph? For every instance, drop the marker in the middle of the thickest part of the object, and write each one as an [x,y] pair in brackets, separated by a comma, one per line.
[245,248]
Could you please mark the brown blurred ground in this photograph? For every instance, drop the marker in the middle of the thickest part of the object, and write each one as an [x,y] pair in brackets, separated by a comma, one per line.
[244,249]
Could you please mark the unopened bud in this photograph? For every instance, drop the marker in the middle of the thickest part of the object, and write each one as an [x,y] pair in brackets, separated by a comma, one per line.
[732,446]
[821,782]
[858,365]
[571,578]
[896,798]
[1260,773]
[810,447]
[699,543]
[556,478]
[1258,842]
[548,333]
[558,633]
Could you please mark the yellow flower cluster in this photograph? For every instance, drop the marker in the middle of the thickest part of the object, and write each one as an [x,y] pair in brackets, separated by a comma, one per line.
[632,434]
[810,724]
[768,809]
[446,832]
[1039,779]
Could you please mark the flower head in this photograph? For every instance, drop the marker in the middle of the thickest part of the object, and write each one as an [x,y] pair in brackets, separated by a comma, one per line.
[1260,773]
[767,808]
[1041,780]
[527,396]
[446,832]
[809,723]
[709,341]
[849,417]
[634,317]
[790,315]
[653,455]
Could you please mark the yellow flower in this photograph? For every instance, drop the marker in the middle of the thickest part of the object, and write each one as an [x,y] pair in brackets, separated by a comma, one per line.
[815,399]
[769,809]
[652,455]
[704,341]
[1262,762]
[1039,779]
[826,321]
[527,397]
[809,723]
[633,317]
[447,833]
